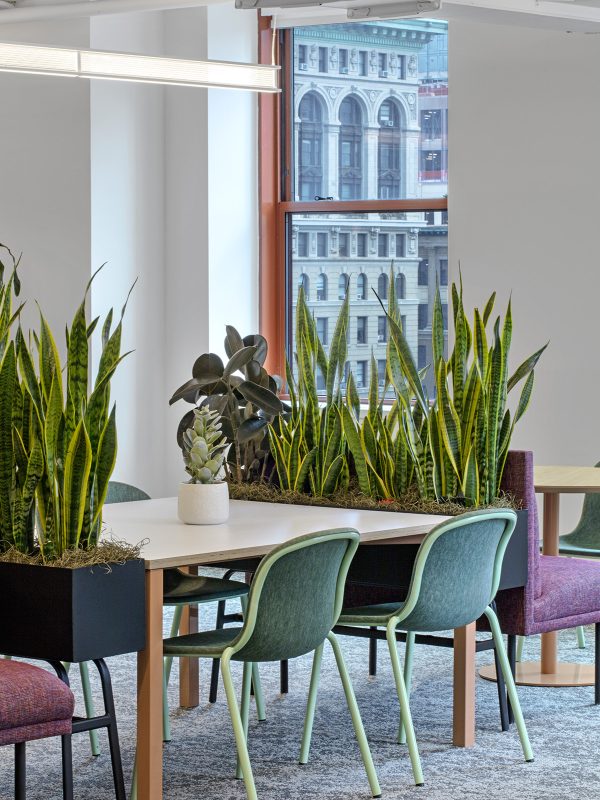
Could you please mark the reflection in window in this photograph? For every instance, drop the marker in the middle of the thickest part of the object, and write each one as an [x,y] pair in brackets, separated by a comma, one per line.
[344,245]
[422,357]
[303,244]
[400,245]
[350,153]
[361,374]
[401,286]
[305,284]
[322,325]
[322,287]
[423,316]
[342,286]
[310,147]
[443,272]
[388,156]
[382,286]
[381,370]
[361,245]
[361,287]
[363,63]
[383,248]
[322,245]
[322,59]
[381,329]
[361,330]
[423,278]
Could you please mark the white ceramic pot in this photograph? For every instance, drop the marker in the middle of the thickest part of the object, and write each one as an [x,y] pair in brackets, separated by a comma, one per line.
[203,503]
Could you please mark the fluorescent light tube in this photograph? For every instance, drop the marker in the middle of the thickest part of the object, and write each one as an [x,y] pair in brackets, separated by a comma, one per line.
[394,11]
[32,59]
[281,3]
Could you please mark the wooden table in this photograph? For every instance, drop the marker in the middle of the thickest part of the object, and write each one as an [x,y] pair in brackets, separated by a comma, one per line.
[253,529]
[552,482]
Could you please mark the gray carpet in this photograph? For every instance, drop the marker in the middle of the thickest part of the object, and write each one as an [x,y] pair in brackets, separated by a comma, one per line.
[564,728]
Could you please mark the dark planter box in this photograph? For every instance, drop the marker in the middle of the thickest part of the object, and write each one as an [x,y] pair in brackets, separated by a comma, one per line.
[74,615]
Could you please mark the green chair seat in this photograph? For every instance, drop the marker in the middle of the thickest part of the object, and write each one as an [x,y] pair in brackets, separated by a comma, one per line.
[179,587]
[566,548]
[370,615]
[204,644]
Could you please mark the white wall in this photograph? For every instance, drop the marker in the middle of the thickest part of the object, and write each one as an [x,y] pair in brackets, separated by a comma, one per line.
[45,177]
[523,205]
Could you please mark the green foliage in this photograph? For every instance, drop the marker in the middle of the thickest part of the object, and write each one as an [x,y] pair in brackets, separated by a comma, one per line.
[203,447]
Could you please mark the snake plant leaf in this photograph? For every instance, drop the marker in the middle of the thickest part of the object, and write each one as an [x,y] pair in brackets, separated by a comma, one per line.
[437,327]
[110,356]
[339,348]
[261,397]
[408,365]
[8,387]
[294,457]
[105,464]
[78,461]
[526,367]
[495,413]
[106,328]
[459,362]
[356,449]
[53,420]
[77,362]
[92,326]
[334,444]
[525,396]
[470,481]
[489,307]
[373,389]
[331,477]
[507,328]
[239,360]
[368,440]
[291,387]
[352,397]
[277,449]
[233,341]
[481,344]
[303,471]
[34,472]
[449,422]
[49,358]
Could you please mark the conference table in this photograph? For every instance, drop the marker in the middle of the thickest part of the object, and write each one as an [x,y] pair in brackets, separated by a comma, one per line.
[253,529]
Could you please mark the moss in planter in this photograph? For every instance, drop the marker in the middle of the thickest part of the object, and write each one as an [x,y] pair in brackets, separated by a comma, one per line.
[353,498]
[104,554]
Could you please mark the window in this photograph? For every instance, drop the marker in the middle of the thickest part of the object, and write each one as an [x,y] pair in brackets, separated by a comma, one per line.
[388,151]
[363,63]
[344,245]
[322,59]
[422,357]
[361,287]
[350,152]
[444,216]
[423,277]
[303,244]
[343,62]
[361,245]
[431,165]
[310,147]
[322,323]
[443,272]
[431,124]
[383,249]
[383,65]
[322,245]
[381,329]
[423,316]
[322,287]
[302,60]
[305,284]
[381,371]
[342,286]
[361,374]
[382,286]
[400,245]
[403,322]
[361,330]
[400,286]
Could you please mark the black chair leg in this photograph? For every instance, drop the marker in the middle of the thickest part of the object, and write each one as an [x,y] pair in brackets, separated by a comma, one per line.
[372,654]
[511,649]
[283,677]
[597,664]
[113,735]
[20,771]
[67,767]
[214,674]
[502,696]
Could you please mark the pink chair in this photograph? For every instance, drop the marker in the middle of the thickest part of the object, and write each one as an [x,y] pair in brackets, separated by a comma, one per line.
[34,704]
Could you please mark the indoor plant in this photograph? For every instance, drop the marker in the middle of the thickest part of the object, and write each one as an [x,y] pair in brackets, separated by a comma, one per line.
[64,590]
[204,499]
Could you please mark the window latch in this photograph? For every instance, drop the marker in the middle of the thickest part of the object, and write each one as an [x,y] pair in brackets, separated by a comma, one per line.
[318,197]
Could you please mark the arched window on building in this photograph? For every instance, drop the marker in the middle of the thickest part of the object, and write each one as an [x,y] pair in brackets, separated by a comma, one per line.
[388,151]
[400,286]
[362,287]
[322,287]
[350,149]
[342,286]
[304,283]
[310,147]
[382,286]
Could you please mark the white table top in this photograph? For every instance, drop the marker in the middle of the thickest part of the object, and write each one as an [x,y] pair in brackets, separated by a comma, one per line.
[253,529]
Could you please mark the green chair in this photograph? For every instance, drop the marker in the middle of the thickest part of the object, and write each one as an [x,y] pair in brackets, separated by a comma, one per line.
[294,600]
[455,578]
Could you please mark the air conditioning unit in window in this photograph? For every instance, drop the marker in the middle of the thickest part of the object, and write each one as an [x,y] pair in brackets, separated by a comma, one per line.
[303,65]
[383,73]
[388,124]
[380,338]
[343,70]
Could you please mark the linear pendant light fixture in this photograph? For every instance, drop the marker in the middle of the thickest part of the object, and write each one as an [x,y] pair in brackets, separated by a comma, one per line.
[37,60]
[412,8]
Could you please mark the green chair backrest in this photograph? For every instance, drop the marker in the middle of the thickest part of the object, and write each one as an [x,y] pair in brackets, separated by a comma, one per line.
[296,596]
[587,532]
[457,570]
[124,493]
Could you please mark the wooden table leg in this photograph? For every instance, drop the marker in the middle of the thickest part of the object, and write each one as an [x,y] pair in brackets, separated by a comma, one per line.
[189,672]
[550,548]
[150,688]
[464,686]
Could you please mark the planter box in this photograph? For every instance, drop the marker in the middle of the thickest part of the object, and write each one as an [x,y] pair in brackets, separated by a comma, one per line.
[72,615]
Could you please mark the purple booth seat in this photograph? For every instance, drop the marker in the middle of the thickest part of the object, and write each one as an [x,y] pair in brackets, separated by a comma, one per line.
[34,705]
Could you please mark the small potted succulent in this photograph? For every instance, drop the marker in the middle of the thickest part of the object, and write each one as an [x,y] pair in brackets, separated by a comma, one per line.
[204,499]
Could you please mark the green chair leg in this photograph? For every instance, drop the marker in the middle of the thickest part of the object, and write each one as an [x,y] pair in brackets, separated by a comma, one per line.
[133,792]
[174,632]
[258,692]
[168,664]
[244,709]
[311,704]
[581,637]
[405,715]
[408,665]
[356,719]
[520,643]
[510,684]
[238,728]
[88,701]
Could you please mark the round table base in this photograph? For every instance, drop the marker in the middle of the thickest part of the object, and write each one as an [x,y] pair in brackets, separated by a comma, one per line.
[529,673]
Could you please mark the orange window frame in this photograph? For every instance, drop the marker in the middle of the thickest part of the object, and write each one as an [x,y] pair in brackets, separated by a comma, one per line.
[275,186]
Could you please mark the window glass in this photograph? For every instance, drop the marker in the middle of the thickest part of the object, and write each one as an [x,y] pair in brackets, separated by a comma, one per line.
[361,375]
[423,316]
[361,330]
[322,329]
[344,245]
[322,286]
[381,329]
[361,245]
[361,287]
[322,245]
[424,272]
[383,245]
[322,59]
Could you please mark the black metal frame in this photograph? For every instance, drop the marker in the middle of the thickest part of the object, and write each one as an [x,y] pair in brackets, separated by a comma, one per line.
[107,720]
[21,768]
